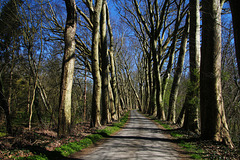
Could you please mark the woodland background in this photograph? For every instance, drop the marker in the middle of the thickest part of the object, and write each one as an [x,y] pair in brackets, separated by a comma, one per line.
[32,52]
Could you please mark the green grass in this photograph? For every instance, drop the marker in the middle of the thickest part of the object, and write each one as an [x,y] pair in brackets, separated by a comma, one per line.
[2,134]
[73,147]
[166,126]
[95,137]
[108,131]
[115,127]
[176,135]
[189,147]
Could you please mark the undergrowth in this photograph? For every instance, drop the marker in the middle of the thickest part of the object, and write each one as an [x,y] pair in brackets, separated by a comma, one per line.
[70,148]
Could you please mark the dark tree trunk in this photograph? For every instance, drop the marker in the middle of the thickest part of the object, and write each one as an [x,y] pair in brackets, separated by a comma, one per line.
[4,105]
[104,55]
[235,5]
[213,121]
[191,103]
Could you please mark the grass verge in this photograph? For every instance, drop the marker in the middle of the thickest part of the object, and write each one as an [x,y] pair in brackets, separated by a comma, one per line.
[70,148]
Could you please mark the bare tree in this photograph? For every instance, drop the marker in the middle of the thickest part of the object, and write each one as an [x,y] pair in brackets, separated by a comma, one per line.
[115,109]
[178,74]
[64,121]
[96,101]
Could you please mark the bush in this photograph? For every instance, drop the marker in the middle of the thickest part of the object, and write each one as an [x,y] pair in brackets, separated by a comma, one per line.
[95,137]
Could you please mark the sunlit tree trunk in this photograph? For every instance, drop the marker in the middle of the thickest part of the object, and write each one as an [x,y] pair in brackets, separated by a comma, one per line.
[213,121]
[114,113]
[64,119]
[191,103]
[171,51]
[147,87]
[131,85]
[97,84]
[111,101]
[157,85]
[178,74]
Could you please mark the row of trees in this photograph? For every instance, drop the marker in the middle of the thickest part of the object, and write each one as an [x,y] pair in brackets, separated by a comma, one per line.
[85,86]
[162,29]
[153,60]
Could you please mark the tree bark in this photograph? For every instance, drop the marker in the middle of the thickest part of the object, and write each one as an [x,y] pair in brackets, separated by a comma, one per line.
[104,55]
[171,50]
[4,105]
[178,74]
[85,95]
[235,5]
[112,109]
[113,72]
[191,103]
[213,121]
[96,100]
[64,119]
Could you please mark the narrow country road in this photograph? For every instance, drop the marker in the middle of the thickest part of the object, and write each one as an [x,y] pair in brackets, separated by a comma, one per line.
[139,139]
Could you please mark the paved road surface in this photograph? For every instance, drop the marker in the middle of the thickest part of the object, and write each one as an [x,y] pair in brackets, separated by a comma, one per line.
[139,139]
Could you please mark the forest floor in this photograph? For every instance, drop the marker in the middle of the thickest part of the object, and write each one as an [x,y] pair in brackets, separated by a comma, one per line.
[28,143]
[41,141]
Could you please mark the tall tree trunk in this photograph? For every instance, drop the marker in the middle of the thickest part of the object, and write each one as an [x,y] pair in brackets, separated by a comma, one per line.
[141,91]
[112,69]
[213,121]
[152,104]
[96,101]
[192,98]
[35,75]
[85,95]
[31,105]
[235,5]
[104,55]
[171,50]
[181,116]
[64,119]
[156,76]
[178,74]
[147,87]
[112,109]
[131,85]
